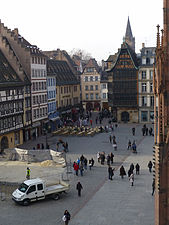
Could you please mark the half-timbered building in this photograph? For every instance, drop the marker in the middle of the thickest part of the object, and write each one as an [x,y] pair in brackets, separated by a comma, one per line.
[123,81]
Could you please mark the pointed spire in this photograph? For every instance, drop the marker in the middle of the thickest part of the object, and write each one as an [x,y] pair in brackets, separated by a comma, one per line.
[128,30]
[129,39]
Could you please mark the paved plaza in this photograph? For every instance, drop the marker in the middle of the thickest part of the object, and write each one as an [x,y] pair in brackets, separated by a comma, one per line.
[103,201]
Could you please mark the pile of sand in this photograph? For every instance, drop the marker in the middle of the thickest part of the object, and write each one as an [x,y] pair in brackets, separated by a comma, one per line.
[47,163]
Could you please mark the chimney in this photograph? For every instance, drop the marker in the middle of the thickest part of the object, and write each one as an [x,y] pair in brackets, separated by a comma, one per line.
[143,45]
[16,32]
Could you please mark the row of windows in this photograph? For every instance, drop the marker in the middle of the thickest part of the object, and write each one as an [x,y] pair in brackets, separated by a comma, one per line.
[144,87]
[144,116]
[38,73]
[144,101]
[91,78]
[92,96]
[51,94]
[39,99]
[89,70]
[65,90]
[51,82]
[11,122]
[38,60]
[51,107]
[38,113]
[11,107]
[37,86]
[144,75]
[91,87]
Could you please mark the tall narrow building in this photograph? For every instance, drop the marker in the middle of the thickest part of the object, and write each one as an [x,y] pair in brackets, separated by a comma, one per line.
[123,81]
[161,153]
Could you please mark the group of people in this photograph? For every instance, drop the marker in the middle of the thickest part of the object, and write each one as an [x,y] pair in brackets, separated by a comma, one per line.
[145,130]
[81,165]
[101,158]
[132,146]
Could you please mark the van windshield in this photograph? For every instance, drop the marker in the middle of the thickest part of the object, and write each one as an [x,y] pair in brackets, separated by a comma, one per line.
[23,187]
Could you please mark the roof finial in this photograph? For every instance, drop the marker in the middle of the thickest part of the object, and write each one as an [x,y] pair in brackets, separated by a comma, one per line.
[158,36]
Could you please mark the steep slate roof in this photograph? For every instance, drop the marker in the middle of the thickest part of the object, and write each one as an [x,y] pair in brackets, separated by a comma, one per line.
[8,76]
[62,72]
[131,53]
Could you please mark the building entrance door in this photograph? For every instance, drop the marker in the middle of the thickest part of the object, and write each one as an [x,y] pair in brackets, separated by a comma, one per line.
[125,117]
[4,144]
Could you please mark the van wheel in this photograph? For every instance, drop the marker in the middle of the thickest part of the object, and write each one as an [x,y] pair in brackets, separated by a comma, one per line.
[26,202]
[55,196]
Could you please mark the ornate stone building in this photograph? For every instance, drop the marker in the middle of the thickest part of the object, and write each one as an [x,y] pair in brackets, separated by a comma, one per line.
[161,152]
[123,81]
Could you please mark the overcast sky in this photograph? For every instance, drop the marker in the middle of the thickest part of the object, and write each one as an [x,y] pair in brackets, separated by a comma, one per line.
[96,26]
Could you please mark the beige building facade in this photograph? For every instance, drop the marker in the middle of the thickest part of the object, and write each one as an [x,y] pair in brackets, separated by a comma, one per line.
[91,87]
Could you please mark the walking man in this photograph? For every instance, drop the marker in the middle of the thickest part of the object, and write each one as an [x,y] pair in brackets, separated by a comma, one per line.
[137,169]
[150,165]
[79,188]
[110,172]
[110,139]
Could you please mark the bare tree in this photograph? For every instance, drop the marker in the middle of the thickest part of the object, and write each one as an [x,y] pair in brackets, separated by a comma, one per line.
[83,55]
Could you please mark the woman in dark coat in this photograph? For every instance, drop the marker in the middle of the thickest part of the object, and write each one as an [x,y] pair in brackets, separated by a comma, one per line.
[122,171]
[67,217]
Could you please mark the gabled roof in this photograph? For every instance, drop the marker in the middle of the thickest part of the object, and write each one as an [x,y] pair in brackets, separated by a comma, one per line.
[92,63]
[131,53]
[7,73]
[62,72]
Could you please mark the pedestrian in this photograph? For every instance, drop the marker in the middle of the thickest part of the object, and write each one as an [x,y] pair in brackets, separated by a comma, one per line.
[150,165]
[115,145]
[110,172]
[98,157]
[76,168]
[132,167]
[28,173]
[131,179]
[122,171]
[66,217]
[133,131]
[129,145]
[108,160]
[42,146]
[150,131]
[79,188]
[137,169]
[81,169]
[111,157]
[90,164]
[146,131]
[153,187]
[129,172]
[102,158]
[66,146]
[85,163]
[110,139]
[134,147]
